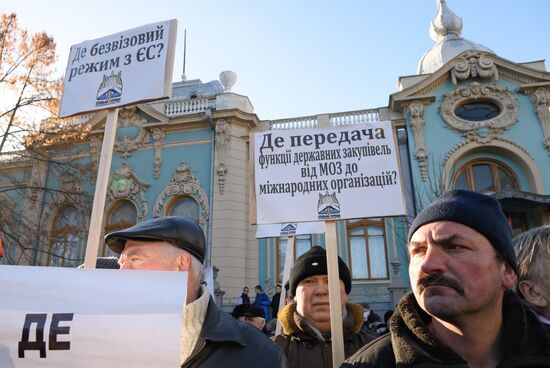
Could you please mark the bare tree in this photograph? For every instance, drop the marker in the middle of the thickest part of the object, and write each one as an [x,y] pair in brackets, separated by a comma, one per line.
[26,67]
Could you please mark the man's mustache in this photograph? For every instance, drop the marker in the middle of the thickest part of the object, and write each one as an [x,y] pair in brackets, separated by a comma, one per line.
[438,279]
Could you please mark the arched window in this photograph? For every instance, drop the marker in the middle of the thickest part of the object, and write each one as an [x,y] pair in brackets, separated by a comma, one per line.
[122,215]
[66,239]
[485,176]
[367,249]
[184,206]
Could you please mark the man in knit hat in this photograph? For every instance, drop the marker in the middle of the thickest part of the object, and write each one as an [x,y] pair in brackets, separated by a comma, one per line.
[305,323]
[210,337]
[461,312]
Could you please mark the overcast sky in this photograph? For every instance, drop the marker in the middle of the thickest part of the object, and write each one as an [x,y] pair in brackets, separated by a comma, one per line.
[300,57]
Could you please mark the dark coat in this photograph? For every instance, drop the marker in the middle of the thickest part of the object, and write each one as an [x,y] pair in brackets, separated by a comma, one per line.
[411,344]
[305,348]
[275,304]
[226,342]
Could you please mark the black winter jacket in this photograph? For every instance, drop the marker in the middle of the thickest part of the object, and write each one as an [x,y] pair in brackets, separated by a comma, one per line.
[411,344]
[226,342]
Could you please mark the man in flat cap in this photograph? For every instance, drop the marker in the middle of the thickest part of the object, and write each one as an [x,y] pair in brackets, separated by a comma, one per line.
[461,312]
[306,334]
[210,337]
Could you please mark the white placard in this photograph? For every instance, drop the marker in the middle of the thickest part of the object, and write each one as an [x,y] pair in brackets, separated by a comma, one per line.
[331,173]
[90,318]
[289,229]
[124,68]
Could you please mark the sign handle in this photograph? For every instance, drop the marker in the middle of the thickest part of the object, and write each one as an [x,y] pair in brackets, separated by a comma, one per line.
[336,330]
[98,208]
[289,260]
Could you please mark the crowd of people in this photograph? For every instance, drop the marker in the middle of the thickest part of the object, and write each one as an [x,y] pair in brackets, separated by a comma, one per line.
[479,298]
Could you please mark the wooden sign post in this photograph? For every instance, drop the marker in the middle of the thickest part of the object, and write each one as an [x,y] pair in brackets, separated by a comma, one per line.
[289,261]
[96,220]
[336,329]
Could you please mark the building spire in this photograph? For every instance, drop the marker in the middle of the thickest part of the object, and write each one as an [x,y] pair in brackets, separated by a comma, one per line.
[183,77]
[445,23]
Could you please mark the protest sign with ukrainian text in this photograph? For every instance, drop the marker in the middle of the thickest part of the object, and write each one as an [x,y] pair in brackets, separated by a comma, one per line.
[331,173]
[121,69]
[67,318]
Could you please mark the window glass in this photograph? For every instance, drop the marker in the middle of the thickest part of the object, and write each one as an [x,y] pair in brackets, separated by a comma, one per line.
[477,111]
[482,178]
[185,206]
[66,242]
[367,249]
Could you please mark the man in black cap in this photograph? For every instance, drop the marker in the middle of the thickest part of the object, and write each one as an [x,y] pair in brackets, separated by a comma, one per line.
[461,312]
[305,339]
[210,337]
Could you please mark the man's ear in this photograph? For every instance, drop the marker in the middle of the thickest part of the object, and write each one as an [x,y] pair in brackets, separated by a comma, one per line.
[509,276]
[530,291]
[184,262]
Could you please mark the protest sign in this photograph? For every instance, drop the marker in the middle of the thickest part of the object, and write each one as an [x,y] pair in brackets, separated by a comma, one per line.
[121,69]
[66,318]
[289,229]
[331,173]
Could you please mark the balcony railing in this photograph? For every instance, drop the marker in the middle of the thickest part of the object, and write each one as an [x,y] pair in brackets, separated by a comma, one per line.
[335,119]
[188,106]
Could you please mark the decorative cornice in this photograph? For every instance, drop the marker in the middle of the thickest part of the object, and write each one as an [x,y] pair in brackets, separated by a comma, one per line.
[541,99]
[473,64]
[533,197]
[469,140]
[416,118]
[487,129]
[125,184]
[183,182]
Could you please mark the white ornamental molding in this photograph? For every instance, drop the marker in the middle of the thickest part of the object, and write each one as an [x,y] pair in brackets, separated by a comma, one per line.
[221,170]
[486,130]
[125,184]
[416,117]
[474,64]
[158,142]
[70,194]
[126,143]
[223,136]
[95,153]
[183,183]
[541,99]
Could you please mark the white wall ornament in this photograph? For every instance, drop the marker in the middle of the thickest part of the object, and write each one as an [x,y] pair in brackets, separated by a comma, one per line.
[223,136]
[474,64]
[416,117]
[183,182]
[125,184]
[221,170]
[158,142]
[541,99]
[127,143]
[486,130]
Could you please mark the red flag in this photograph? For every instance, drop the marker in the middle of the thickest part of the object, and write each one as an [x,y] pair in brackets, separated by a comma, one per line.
[1,247]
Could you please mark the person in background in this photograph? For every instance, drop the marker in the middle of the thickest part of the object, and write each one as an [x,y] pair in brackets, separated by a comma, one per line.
[533,252]
[306,334]
[255,316]
[262,300]
[244,298]
[461,312]
[275,301]
[210,337]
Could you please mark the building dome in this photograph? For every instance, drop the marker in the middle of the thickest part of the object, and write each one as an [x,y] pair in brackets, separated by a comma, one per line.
[445,29]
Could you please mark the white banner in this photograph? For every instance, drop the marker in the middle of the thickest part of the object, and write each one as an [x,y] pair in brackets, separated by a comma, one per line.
[289,229]
[121,69]
[332,173]
[67,318]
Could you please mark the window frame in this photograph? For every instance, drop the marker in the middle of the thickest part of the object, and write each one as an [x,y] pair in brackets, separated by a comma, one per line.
[56,234]
[494,166]
[365,223]
[277,258]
